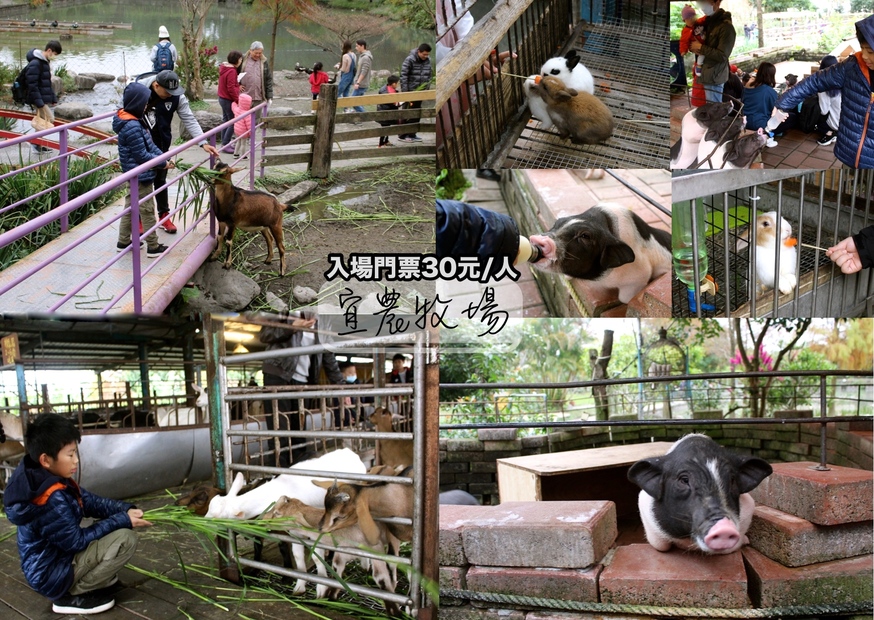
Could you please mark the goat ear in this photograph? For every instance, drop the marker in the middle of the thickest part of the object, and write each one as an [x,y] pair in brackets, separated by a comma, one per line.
[325,484]
[366,523]
[239,481]
[235,170]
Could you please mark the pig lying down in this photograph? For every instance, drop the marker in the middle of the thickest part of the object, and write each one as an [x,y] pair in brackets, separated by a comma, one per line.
[697,496]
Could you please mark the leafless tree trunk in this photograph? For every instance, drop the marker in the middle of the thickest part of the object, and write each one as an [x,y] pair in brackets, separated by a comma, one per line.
[193,18]
[599,371]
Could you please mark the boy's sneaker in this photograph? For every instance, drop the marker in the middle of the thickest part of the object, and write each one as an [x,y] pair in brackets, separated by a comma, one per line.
[415,139]
[168,225]
[405,139]
[156,251]
[771,142]
[827,139]
[123,246]
[83,604]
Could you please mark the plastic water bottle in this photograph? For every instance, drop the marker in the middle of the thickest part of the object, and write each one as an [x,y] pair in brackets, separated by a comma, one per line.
[683,248]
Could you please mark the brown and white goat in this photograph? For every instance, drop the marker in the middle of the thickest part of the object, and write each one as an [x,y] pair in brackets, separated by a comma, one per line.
[347,504]
[391,452]
[308,518]
[252,211]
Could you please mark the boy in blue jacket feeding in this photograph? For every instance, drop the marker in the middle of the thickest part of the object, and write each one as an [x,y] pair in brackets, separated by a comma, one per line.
[71,565]
[135,147]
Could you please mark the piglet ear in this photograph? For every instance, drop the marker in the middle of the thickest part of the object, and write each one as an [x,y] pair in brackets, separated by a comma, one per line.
[751,472]
[616,255]
[647,474]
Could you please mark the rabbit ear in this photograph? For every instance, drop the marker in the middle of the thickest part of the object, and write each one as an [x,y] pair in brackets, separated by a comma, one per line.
[564,94]
[572,62]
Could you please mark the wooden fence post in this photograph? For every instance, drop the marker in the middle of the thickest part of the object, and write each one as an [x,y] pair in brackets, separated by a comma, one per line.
[323,134]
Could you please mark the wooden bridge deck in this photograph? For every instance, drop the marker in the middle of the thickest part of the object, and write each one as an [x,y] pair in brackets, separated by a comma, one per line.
[144,597]
[44,289]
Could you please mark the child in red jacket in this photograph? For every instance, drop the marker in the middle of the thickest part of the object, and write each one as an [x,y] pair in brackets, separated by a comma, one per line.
[693,31]
[317,78]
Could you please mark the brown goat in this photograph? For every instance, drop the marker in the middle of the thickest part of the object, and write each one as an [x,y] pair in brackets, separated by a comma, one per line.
[347,504]
[252,211]
[391,452]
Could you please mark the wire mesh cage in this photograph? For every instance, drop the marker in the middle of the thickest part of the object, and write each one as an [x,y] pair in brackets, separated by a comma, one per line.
[821,207]
[483,119]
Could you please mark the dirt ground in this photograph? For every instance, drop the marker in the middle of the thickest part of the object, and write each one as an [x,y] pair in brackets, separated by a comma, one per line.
[383,208]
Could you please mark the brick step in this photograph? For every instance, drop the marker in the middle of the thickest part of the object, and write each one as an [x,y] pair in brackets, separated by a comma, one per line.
[521,534]
[640,575]
[793,541]
[837,496]
[566,584]
[840,581]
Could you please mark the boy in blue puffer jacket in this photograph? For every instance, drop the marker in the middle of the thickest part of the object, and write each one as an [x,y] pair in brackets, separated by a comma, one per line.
[854,77]
[135,147]
[71,565]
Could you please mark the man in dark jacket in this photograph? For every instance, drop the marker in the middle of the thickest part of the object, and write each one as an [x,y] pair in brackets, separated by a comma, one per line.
[294,370]
[719,36]
[466,230]
[38,78]
[62,561]
[168,98]
[854,77]
[415,73]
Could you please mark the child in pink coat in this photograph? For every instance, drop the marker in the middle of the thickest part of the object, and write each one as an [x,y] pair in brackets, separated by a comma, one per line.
[243,126]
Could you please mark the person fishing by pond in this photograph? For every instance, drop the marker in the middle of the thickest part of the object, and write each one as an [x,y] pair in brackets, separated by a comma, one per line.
[167,97]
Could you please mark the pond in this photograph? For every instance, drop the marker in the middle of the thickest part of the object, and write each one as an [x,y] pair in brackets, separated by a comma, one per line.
[126,52]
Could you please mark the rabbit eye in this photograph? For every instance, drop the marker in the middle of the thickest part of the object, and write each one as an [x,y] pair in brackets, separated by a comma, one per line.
[555,72]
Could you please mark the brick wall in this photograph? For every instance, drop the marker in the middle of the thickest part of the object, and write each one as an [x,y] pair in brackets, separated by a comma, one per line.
[469,464]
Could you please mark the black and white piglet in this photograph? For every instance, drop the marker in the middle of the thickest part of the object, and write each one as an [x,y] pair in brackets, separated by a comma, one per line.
[697,496]
[609,245]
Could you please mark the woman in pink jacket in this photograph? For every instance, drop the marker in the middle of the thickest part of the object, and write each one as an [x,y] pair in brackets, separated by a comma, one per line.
[243,126]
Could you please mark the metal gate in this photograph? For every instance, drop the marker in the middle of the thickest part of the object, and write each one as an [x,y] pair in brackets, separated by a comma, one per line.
[823,207]
[222,398]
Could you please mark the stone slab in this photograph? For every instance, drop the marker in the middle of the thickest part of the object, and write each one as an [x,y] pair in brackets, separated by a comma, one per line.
[541,534]
[840,581]
[793,541]
[840,495]
[558,583]
[497,434]
[472,613]
[453,577]
[452,519]
[640,575]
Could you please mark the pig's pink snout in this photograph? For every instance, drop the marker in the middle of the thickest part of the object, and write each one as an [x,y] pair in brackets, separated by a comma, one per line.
[723,535]
[546,245]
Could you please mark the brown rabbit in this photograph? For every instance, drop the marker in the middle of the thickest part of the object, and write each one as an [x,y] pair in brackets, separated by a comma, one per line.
[577,115]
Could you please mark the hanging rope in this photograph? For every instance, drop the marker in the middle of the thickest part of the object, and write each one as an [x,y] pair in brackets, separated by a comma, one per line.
[673,612]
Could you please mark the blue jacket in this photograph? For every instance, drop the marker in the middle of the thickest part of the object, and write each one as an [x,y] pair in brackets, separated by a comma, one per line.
[466,230]
[135,146]
[758,103]
[47,510]
[855,144]
[39,80]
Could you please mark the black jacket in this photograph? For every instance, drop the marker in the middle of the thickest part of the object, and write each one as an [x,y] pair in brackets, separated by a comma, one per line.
[466,230]
[864,240]
[39,80]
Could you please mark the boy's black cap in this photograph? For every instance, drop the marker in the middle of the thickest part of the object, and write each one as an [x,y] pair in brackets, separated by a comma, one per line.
[170,81]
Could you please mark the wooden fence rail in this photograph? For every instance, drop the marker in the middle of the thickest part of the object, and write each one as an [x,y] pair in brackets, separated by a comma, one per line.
[326,143]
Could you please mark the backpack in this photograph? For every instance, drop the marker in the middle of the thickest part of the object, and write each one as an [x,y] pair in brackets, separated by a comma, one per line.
[19,88]
[164,57]
[809,116]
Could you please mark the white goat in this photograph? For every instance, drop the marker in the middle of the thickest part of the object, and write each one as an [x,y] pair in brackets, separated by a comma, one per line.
[183,416]
[259,499]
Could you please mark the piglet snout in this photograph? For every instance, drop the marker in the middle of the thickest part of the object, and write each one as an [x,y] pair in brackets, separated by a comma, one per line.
[546,245]
[722,536]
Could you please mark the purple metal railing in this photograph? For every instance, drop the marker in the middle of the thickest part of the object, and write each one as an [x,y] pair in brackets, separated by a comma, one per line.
[68,206]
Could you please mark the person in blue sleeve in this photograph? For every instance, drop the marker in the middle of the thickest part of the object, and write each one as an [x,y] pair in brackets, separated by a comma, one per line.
[853,77]
[73,566]
[467,230]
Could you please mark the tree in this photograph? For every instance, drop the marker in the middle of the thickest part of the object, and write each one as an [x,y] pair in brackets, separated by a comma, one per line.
[345,26]
[193,18]
[417,13]
[778,6]
[599,371]
[861,6]
[757,359]
[275,12]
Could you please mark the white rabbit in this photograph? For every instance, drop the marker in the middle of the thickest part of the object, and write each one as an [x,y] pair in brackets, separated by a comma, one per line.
[768,241]
[570,71]
[537,105]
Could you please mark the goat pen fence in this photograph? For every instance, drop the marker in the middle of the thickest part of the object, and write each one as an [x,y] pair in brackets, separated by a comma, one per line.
[223,437]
